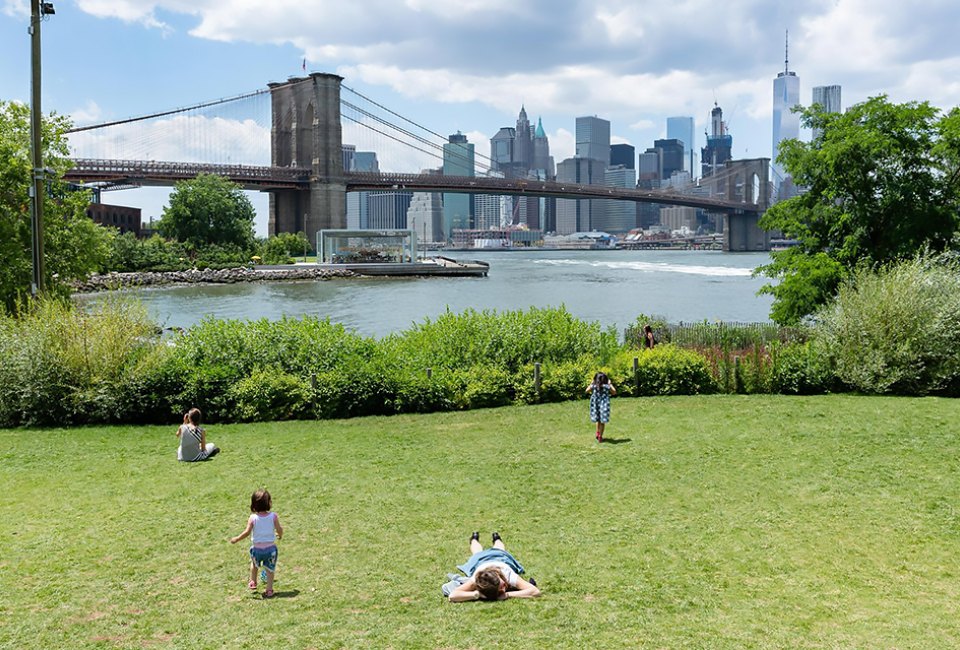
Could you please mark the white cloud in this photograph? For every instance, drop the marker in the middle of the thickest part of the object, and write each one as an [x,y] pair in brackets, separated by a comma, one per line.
[16,8]
[126,10]
[87,114]
[563,144]
[619,59]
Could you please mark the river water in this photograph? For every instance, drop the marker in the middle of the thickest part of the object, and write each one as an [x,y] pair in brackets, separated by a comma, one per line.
[612,287]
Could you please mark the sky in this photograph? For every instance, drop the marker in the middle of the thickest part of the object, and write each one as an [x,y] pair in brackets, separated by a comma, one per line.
[469,65]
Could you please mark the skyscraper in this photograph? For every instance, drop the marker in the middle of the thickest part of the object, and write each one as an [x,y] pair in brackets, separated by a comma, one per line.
[523,146]
[829,98]
[501,148]
[542,161]
[623,154]
[671,157]
[358,203]
[593,139]
[619,216]
[786,123]
[719,144]
[681,128]
[576,215]
[458,160]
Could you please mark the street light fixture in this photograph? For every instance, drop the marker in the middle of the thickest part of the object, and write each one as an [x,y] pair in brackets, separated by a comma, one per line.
[37,11]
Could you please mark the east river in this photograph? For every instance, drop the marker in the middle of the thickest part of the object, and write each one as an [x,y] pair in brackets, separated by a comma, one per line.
[612,287]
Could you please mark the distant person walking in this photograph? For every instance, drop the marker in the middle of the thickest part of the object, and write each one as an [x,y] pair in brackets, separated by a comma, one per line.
[648,338]
[193,439]
[266,530]
[600,391]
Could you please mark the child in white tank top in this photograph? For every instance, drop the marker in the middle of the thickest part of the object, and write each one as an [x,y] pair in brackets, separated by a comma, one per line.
[266,530]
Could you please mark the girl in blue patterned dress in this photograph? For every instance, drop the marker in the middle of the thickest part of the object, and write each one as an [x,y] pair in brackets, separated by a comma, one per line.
[600,391]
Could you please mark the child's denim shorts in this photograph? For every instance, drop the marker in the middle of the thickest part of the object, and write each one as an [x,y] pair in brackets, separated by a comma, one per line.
[265,557]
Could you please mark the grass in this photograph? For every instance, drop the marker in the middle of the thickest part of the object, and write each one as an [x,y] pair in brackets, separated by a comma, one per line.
[705,522]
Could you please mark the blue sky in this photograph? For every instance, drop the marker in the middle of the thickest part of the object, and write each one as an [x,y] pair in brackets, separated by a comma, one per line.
[469,64]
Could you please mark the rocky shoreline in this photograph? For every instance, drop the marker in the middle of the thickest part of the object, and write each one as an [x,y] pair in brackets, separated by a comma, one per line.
[110,281]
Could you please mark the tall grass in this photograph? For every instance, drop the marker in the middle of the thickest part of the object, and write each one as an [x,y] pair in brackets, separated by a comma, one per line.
[61,364]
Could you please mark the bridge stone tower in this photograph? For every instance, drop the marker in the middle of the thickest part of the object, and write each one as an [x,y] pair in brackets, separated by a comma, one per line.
[745,181]
[306,134]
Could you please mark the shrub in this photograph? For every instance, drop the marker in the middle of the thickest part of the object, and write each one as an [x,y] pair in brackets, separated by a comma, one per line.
[508,339]
[561,381]
[895,330]
[271,394]
[482,386]
[669,370]
[62,365]
[801,369]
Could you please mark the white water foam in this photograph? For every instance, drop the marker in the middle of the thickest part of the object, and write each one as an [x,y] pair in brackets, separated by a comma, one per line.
[656,267]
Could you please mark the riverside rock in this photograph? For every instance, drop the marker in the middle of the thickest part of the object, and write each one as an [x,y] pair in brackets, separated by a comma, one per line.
[108,281]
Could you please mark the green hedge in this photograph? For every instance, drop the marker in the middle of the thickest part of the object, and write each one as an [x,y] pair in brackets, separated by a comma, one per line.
[60,365]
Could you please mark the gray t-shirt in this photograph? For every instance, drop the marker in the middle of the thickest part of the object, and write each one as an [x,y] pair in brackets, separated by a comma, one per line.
[190,437]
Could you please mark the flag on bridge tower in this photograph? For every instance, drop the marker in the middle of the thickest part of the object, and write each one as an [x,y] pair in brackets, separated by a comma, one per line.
[304,64]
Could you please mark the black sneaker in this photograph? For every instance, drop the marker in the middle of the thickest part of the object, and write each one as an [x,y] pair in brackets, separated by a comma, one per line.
[495,537]
[475,536]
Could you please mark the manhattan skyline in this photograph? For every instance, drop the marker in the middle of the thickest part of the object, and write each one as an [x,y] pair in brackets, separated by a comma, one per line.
[469,66]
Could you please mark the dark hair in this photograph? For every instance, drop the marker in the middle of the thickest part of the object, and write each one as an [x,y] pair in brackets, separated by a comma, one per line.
[260,501]
[194,415]
[600,379]
[488,583]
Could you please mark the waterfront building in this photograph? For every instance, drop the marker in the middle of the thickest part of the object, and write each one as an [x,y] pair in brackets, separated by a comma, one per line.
[388,210]
[425,214]
[623,154]
[679,218]
[574,215]
[786,123]
[619,216]
[648,178]
[458,160]
[829,98]
[593,139]
[681,128]
[358,203]
[122,217]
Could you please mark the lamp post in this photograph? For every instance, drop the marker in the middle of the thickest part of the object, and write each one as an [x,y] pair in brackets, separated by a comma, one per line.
[37,11]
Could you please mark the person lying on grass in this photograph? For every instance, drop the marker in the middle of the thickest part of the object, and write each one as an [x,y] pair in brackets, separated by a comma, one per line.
[492,574]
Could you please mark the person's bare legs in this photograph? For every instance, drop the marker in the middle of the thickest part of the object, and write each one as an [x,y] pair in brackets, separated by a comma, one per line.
[269,591]
[475,545]
[253,574]
[497,542]
[600,427]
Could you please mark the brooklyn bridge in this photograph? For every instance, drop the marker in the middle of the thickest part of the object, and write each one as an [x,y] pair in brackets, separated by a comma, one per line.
[308,185]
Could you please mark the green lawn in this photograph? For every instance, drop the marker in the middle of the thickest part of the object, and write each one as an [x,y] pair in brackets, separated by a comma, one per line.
[705,522]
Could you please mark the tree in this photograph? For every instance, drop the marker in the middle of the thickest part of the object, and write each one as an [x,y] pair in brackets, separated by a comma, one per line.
[283,247]
[209,210]
[74,246]
[882,184]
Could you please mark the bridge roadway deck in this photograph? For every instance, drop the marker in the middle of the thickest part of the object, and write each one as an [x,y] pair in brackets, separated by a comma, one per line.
[112,173]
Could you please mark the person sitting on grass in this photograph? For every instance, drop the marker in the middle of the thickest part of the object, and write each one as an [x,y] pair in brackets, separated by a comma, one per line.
[492,574]
[193,439]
